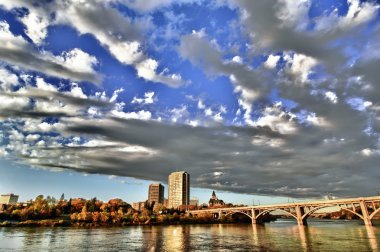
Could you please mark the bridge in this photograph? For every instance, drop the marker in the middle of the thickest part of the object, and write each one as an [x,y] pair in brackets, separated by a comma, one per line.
[365,208]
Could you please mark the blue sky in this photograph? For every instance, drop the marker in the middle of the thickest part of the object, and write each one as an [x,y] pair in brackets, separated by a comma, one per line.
[264,100]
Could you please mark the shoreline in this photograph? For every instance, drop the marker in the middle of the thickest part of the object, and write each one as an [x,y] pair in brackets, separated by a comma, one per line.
[66,223]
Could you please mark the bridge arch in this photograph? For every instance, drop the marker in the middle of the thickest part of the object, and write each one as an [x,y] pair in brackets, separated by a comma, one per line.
[374,213]
[275,209]
[241,212]
[306,215]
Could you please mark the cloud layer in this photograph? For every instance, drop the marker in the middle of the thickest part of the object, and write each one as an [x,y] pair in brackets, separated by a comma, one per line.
[301,117]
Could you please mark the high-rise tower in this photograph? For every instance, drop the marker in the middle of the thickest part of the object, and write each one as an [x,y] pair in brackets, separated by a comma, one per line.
[179,189]
[156,193]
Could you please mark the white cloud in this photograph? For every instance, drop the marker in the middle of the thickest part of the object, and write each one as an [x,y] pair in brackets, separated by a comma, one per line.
[208,112]
[74,65]
[36,125]
[193,123]
[368,152]
[148,99]
[277,120]
[246,99]
[150,5]
[271,61]
[116,94]
[3,152]
[358,103]
[119,35]
[301,66]
[271,142]
[147,69]
[140,115]
[78,60]
[237,59]
[7,79]
[358,13]
[32,137]
[47,127]
[216,114]
[8,39]
[80,16]
[178,113]
[317,121]
[331,96]
[36,26]
[14,103]
[201,105]
[43,85]
[76,91]
[294,13]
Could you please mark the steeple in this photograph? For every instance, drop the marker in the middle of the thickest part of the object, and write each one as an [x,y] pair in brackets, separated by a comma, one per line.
[213,195]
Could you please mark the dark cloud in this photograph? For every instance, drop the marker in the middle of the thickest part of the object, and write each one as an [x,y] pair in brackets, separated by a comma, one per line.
[220,157]
[30,59]
[33,95]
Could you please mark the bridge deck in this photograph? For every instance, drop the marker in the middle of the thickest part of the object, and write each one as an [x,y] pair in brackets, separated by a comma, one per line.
[292,205]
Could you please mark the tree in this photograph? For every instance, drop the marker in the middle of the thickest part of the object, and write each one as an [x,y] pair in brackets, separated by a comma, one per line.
[159,208]
[62,197]
[39,197]
[68,207]
[92,205]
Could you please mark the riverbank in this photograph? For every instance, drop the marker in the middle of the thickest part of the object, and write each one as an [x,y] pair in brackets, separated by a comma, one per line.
[68,223]
[159,220]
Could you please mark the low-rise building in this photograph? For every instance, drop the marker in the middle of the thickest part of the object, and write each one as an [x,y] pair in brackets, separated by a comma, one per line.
[8,199]
[138,205]
[166,202]
[194,202]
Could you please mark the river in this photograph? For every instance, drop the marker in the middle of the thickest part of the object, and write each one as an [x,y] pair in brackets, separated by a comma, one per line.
[281,235]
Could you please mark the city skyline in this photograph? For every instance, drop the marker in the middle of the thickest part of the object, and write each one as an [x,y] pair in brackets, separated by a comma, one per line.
[274,100]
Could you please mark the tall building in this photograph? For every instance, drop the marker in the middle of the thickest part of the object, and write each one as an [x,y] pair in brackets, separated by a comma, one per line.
[8,199]
[156,193]
[179,189]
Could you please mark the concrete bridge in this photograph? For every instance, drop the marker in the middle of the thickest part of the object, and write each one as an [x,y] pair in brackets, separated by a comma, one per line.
[365,208]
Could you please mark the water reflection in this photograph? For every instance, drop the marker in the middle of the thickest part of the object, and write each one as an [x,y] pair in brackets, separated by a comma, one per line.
[176,238]
[255,234]
[282,235]
[304,234]
[372,238]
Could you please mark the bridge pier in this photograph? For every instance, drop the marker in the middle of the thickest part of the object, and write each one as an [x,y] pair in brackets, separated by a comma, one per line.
[300,211]
[365,214]
[254,214]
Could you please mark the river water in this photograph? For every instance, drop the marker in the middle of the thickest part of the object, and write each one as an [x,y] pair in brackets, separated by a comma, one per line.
[281,235]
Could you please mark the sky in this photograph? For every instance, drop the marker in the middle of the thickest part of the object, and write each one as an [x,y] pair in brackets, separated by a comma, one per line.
[261,101]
